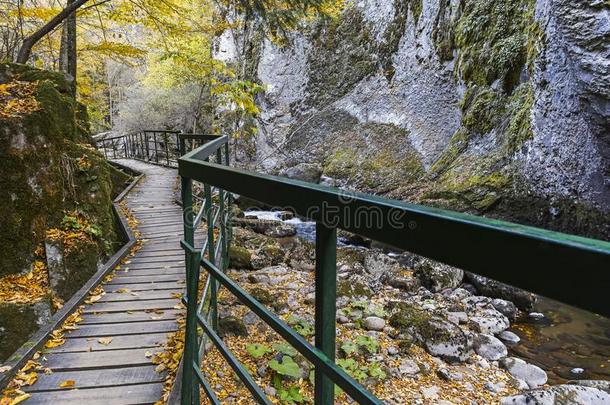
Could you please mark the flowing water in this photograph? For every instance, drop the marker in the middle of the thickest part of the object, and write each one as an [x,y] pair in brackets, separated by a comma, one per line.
[568,343]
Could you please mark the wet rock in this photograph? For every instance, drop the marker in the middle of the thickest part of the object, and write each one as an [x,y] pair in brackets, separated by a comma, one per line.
[437,276]
[506,308]
[374,323]
[534,376]
[342,319]
[560,394]
[489,347]
[309,172]
[509,337]
[495,289]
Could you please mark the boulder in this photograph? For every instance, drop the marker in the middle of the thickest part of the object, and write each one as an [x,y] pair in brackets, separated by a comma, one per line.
[232,326]
[488,320]
[533,376]
[240,258]
[374,323]
[272,228]
[309,172]
[380,267]
[437,276]
[489,347]
[438,336]
[509,337]
[495,289]
[599,384]
[561,395]
[507,308]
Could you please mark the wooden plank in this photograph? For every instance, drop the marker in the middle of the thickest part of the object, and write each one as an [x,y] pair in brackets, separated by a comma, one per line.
[153,271]
[131,306]
[140,296]
[97,378]
[124,317]
[139,394]
[121,279]
[98,360]
[169,285]
[133,328]
[118,342]
[164,260]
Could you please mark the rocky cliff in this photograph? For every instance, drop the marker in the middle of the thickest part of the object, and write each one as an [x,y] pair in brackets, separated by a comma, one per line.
[57,223]
[494,107]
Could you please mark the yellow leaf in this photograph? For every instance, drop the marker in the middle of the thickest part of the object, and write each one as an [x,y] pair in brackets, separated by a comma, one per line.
[20,399]
[67,384]
[105,341]
[54,343]
[4,369]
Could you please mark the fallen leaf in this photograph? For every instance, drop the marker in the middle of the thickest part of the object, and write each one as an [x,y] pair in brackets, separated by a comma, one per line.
[148,355]
[19,399]
[67,384]
[4,369]
[105,341]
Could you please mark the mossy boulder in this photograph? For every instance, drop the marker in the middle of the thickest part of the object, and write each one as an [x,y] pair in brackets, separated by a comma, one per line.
[18,321]
[240,257]
[438,336]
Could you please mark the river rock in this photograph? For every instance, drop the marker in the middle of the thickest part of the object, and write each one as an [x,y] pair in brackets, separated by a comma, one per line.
[309,172]
[380,267]
[438,336]
[506,308]
[509,337]
[374,323]
[495,289]
[533,375]
[408,367]
[489,347]
[599,384]
[489,320]
[560,395]
[272,228]
[437,276]
[240,258]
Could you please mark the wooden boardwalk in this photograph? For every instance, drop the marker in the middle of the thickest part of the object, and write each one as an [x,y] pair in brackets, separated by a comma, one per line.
[137,311]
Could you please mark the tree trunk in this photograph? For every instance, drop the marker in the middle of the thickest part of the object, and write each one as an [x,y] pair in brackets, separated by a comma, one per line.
[29,42]
[67,53]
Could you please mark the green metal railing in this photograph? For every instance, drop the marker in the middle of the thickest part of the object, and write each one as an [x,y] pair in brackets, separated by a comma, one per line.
[568,268]
[159,147]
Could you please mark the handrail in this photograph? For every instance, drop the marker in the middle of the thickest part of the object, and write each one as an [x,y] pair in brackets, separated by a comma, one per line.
[534,259]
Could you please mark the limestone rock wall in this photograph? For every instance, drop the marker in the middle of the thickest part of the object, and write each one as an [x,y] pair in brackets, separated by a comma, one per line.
[504,105]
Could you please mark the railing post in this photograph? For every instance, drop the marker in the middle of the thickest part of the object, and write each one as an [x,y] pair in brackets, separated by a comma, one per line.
[125,146]
[192,284]
[156,149]
[166,148]
[147,148]
[326,307]
[207,190]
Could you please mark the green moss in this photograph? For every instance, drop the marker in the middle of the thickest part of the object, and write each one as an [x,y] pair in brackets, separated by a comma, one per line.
[413,320]
[492,36]
[239,257]
[17,323]
[374,157]
[353,289]
[520,112]
[483,108]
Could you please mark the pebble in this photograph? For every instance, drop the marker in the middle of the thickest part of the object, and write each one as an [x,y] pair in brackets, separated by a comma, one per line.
[430,393]
[408,367]
[270,391]
[374,323]
[577,370]
[449,376]
[509,337]
[393,351]
[342,319]
[536,315]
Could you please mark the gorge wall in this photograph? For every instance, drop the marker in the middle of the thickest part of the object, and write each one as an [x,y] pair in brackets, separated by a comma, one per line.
[493,107]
